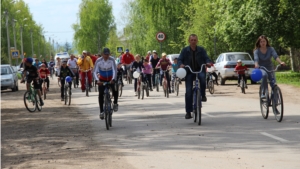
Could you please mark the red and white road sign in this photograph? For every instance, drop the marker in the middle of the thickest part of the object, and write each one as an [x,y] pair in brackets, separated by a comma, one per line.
[160,36]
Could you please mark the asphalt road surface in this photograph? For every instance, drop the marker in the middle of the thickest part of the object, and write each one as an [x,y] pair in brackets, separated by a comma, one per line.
[151,133]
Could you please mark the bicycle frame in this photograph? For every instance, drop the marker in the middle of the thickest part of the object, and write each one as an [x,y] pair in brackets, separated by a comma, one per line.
[87,86]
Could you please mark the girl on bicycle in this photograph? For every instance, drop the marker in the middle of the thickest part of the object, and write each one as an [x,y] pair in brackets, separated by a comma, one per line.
[263,54]
[240,69]
[137,65]
[147,71]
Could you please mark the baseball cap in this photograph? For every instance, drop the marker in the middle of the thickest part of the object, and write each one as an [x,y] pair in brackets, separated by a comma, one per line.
[84,51]
[164,54]
[106,51]
[239,60]
[149,52]
[127,50]
[154,51]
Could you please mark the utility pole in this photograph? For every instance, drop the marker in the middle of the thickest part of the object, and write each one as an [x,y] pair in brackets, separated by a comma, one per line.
[39,38]
[44,46]
[50,46]
[15,43]
[215,43]
[8,40]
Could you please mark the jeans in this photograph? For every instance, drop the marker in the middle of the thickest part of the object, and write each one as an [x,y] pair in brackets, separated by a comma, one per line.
[189,78]
[62,87]
[101,94]
[265,77]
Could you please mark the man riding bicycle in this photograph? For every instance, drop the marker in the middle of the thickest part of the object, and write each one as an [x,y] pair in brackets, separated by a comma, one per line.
[72,64]
[164,63]
[153,61]
[85,63]
[106,71]
[33,75]
[193,56]
[127,59]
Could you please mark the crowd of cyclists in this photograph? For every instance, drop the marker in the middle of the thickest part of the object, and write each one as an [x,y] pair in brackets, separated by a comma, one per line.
[105,68]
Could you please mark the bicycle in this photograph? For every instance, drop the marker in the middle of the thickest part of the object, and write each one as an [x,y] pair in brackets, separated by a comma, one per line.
[156,80]
[51,72]
[274,100]
[176,86]
[197,98]
[75,72]
[210,83]
[165,83]
[44,88]
[30,99]
[108,110]
[242,82]
[87,86]
[145,86]
[119,85]
[138,87]
[67,91]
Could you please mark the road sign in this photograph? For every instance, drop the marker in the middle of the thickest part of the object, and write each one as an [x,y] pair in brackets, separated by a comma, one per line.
[160,36]
[15,54]
[120,49]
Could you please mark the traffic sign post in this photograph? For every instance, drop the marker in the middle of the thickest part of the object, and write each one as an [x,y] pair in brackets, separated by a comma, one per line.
[160,37]
[120,49]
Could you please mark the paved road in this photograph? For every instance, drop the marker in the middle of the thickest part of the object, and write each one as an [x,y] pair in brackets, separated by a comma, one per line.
[152,133]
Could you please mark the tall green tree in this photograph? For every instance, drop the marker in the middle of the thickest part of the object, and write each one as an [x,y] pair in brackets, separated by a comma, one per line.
[95,20]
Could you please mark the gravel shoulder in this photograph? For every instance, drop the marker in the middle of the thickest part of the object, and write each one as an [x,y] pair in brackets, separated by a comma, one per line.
[57,137]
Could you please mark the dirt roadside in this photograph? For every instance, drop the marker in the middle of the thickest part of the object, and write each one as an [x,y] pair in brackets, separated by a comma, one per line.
[57,137]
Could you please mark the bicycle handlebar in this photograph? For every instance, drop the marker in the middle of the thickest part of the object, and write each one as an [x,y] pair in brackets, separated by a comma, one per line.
[193,71]
[270,70]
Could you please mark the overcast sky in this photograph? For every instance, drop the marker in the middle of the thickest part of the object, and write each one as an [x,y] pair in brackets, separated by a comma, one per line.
[57,16]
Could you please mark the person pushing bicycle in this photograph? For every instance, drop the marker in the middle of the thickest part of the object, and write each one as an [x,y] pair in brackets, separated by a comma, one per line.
[33,76]
[106,71]
[193,56]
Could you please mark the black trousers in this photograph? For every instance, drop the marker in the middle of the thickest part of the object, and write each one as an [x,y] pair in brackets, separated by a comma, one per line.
[47,83]
[101,95]
[148,77]
[62,87]
[240,77]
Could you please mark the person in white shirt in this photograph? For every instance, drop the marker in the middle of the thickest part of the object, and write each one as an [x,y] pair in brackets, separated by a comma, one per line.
[72,64]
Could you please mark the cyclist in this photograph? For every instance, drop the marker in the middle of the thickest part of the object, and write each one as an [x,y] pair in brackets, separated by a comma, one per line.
[164,64]
[64,72]
[44,73]
[72,64]
[194,56]
[127,59]
[174,70]
[212,71]
[85,63]
[37,63]
[33,75]
[51,65]
[153,62]
[57,65]
[240,69]
[45,62]
[137,65]
[263,53]
[120,72]
[106,71]
[147,70]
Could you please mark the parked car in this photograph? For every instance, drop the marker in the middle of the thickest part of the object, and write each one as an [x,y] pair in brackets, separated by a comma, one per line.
[9,78]
[226,63]
[171,57]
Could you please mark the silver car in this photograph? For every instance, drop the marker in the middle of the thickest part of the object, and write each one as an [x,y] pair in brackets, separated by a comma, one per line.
[171,57]
[226,63]
[9,78]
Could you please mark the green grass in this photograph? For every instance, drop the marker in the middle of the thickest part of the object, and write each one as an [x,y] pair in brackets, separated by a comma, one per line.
[19,76]
[291,78]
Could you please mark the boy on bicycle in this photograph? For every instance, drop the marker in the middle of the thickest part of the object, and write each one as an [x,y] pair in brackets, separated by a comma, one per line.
[44,73]
[64,72]
[33,75]
[147,71]
[164,63]
[240,69]
[174,69]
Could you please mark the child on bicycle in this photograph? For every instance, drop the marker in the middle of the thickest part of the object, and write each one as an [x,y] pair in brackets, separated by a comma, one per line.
[137,65]
[164,64]
[147,70]
[240,69]
[64,72]
[32,76]
[174,69]
[212,70]
[120,72]
[44,73]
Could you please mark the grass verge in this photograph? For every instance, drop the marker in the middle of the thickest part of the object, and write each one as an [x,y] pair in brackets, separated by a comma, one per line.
[291,78]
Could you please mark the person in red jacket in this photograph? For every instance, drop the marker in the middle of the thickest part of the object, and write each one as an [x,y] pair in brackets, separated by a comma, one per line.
[240,69]
[127,59]
[94,58]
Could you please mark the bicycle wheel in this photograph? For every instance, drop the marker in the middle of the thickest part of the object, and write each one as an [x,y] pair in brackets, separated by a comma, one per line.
[44,92]
[29,102]
[139,92]
[210,87]
[143,92]
[157,83]
[106,111]
[264,103]
[69,91]
[243,86]
[66,95]
[110,114]
[147,90]
[167,92]
[87,87]
[38,103]
[120,90]
[177,88]
[194,105]
[277,104]
[198,108]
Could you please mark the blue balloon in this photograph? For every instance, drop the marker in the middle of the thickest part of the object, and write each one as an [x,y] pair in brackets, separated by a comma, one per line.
[256,75]
[68,79]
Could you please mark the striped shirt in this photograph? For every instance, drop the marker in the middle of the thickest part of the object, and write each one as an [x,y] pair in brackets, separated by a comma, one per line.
[105,70]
